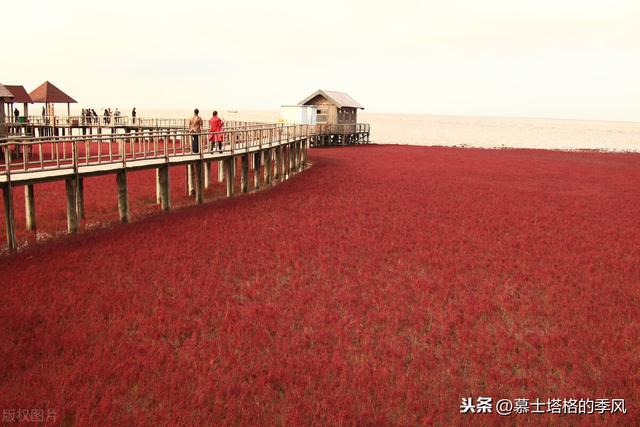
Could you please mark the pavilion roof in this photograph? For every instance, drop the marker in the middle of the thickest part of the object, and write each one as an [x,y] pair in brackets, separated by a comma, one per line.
[47,92]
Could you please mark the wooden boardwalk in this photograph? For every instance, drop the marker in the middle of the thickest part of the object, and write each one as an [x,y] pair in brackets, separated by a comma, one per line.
[59,153]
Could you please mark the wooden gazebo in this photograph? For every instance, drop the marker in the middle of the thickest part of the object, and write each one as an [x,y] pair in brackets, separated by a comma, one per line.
[5,96]
[20,96]
[47,93]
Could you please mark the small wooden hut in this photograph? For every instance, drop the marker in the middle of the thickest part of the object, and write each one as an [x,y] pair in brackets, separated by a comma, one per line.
[333,107]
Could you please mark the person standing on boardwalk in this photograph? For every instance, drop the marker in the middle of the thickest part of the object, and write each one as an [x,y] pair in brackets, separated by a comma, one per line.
[16,114]
[215,125]
[195,127]
[133,115]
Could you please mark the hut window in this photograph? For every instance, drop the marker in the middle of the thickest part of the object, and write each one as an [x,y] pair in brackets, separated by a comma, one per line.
[323,115]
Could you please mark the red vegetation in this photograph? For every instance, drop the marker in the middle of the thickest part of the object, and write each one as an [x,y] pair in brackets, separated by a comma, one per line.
[378,287]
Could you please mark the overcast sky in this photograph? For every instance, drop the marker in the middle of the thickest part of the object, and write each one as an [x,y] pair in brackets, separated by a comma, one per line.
[541,58]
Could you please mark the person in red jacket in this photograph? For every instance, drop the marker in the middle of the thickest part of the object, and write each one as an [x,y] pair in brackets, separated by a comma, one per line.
[215,126]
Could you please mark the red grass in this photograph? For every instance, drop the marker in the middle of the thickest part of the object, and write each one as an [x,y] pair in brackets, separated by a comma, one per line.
[379,287]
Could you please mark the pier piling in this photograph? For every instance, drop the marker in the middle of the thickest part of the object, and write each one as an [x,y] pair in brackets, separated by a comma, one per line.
[123,196]
[229,175]
[9,220]
[30,207]
[256,172]
[80,198]
[199,167]
[72,212]
[163,178]
[244,178]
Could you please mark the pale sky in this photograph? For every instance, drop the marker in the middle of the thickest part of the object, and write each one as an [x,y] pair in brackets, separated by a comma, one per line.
[540,58]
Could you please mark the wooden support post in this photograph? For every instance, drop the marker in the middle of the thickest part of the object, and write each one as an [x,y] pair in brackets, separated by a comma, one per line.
[291,159]
[295,157]
[158,186]
[278,157]
[305,147]
[190,186]
[80,199]
[199,169]
[163,174]
[244,178]
[72,212]
[300,149]
[123,196]
[229,175]
[268,166]
[207,174]
[9,220]
[30,207]
[256,172]
[220,170]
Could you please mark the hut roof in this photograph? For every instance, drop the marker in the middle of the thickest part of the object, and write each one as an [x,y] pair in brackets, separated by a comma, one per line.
[47,92]
[4,92]
[341,99]
[19,93]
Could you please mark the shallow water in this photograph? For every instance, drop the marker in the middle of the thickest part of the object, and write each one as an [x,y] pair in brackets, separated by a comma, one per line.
[487,132]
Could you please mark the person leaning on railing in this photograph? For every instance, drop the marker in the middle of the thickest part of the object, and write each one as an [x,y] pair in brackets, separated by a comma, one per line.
[195,127]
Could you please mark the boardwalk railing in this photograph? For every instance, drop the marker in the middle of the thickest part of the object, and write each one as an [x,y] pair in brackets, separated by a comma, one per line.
[110,121]
[93,153]
[324,129]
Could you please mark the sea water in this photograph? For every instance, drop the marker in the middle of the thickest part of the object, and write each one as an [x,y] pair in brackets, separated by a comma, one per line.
[467,131]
